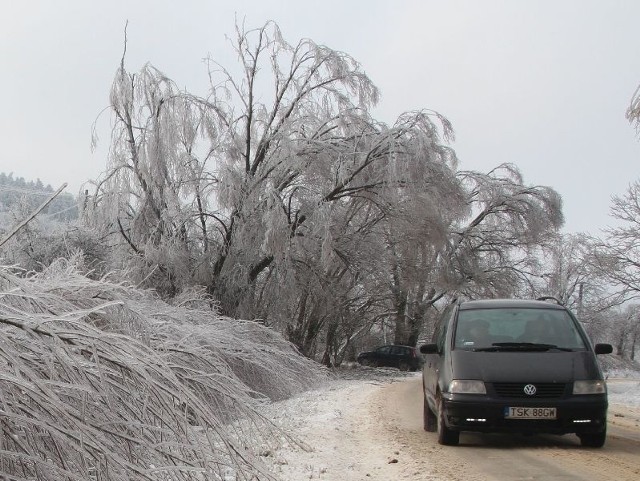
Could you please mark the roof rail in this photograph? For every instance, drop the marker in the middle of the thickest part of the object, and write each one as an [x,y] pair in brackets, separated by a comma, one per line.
[550,298]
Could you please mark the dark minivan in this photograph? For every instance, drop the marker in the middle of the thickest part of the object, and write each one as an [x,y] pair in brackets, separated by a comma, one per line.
[515,366]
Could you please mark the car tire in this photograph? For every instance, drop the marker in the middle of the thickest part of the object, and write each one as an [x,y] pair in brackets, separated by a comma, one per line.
[593,440]
[403,366]
[430,420]
[446,436]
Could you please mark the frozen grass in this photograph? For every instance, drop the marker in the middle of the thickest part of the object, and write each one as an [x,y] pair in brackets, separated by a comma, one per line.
[101,381]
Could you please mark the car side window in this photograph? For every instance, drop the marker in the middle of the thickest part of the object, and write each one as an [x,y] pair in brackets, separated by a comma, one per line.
[436,331]
[440,335]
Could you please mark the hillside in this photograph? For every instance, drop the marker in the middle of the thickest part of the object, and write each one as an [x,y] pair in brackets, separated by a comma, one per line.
[20,196]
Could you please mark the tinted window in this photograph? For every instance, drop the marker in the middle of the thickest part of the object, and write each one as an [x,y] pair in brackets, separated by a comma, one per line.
[483,327]
[440,335]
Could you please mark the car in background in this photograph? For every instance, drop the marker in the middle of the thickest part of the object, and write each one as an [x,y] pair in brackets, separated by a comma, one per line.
[405,358]
[513,366]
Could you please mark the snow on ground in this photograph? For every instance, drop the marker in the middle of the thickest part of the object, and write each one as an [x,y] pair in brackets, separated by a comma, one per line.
[333,426]
[623,381]
[624,391]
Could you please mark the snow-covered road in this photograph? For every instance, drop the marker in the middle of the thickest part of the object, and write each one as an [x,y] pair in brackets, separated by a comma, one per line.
[372,430]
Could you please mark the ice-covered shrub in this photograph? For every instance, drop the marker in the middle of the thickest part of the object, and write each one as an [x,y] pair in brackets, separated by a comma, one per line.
[102,381]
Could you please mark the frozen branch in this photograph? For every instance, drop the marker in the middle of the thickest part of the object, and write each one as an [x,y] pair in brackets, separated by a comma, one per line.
[103,381]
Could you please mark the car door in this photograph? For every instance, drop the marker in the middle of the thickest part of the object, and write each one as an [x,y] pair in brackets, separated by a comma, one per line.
[383,356]
[397,357]
[433,362]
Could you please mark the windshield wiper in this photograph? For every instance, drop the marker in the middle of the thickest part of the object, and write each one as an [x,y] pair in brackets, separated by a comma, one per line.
[521,346]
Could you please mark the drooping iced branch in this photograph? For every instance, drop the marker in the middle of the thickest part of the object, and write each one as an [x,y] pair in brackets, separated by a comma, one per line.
[99,380]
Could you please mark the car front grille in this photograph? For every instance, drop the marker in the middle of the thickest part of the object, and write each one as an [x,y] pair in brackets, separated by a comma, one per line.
[546,390]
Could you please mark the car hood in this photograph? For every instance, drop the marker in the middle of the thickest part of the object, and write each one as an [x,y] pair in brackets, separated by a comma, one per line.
[547,366]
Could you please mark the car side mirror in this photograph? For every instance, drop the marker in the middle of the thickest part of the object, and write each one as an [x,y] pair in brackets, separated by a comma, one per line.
[603,348]
[429,348]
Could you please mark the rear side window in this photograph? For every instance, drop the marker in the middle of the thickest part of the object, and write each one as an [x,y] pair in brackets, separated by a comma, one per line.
[440,333]
[483,327]
[399,351]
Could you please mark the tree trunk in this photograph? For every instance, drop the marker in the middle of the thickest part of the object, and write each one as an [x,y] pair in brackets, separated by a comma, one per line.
[329,348]
[295,334]
[620,344]
[314,325]
[401,334]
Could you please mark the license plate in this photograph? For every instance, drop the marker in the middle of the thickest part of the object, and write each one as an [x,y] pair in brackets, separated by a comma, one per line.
[529,413]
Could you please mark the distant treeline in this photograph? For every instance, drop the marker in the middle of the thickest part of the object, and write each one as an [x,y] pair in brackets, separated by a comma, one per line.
[18,193]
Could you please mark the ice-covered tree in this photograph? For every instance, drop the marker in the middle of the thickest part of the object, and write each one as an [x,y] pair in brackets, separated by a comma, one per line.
[564,271]
[567,272]
[489,248]
[339,262]
[281,194]
[196,186]
[625,331]
[279,173]
[617,256]
[491,252]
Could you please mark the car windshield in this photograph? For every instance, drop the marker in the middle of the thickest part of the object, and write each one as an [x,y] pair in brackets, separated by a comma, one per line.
[516,329]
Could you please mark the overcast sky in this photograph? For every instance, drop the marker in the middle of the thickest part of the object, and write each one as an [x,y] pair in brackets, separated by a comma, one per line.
[542,84]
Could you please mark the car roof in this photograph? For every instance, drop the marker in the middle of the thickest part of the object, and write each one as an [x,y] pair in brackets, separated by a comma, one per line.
[509,303]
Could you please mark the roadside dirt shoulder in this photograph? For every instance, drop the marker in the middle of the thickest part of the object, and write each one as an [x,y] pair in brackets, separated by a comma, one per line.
[345,435]
[624,416]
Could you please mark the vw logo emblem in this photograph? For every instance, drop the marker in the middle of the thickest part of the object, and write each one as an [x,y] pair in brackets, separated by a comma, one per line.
[529,389]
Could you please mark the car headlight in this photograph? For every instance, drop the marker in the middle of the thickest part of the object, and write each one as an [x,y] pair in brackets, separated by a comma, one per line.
[589,387]
[458,386]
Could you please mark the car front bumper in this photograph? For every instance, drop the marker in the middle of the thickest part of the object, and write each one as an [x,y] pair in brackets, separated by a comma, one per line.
[576,414]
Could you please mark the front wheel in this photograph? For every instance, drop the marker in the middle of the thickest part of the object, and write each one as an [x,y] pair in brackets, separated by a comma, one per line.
[446,436]
[593,440]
